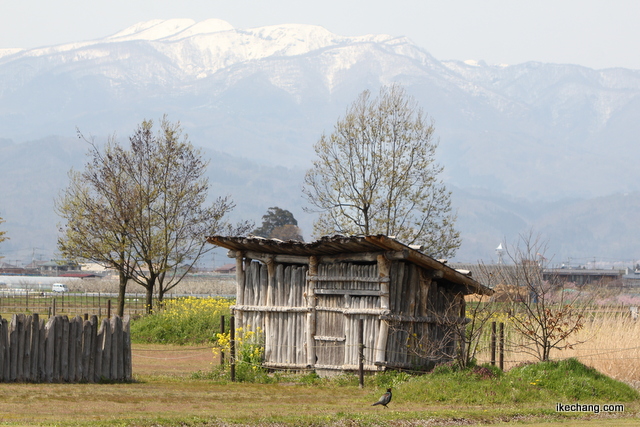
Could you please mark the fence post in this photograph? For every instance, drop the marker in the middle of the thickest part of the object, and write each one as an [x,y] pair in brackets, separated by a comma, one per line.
[232,343]
[108,309]
[54,307]
[493,343]
[222,332]
[361,353]
[501,347]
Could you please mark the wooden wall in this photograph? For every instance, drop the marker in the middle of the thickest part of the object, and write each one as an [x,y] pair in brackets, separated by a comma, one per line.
[64,350]
[309,313]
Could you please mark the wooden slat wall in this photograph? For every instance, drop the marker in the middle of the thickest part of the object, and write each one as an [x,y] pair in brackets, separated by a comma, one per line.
[267,306]
[64,350]
[421,332]
[296,310]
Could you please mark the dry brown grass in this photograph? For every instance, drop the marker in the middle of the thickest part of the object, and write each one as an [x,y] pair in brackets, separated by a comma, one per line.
[163,390]
[610,343]
[222,285]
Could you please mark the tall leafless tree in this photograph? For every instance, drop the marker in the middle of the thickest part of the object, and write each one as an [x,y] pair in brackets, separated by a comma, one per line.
[376,174]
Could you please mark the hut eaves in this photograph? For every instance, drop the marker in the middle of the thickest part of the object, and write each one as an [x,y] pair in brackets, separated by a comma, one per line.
[351,245]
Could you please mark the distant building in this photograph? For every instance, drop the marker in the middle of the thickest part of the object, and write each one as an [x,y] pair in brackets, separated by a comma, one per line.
[53,267]
[582,276]
[226,269]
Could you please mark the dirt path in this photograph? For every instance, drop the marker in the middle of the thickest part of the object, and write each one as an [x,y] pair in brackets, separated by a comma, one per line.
[174,360]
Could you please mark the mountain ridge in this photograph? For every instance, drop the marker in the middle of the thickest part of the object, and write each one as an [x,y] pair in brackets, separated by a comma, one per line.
[544,133]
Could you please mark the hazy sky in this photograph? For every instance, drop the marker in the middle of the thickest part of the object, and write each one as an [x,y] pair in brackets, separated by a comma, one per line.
[597,34]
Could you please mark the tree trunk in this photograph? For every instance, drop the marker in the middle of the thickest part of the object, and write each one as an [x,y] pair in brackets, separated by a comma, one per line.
[149,298]
[122,291]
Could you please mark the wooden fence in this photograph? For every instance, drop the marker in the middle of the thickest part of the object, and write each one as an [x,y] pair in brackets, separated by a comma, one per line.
[64,350]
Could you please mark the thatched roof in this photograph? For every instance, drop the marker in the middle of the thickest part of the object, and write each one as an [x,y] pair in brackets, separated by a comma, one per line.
[340,245]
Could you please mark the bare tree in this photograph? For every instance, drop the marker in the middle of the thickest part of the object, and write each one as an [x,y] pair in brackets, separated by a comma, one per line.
[173,219]
[143,210]
[543,312]
[97,208]
[376,174]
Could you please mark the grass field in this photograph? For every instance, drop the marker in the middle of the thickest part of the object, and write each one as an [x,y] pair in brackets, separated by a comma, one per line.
[172,388]
[164,393]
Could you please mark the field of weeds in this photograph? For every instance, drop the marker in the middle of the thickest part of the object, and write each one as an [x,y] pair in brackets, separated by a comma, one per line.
[609,342]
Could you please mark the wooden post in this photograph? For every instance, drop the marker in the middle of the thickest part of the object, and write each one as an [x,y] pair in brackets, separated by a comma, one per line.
[312,276]
[222,332]
[20,344]
[50,336]
[87,338]
[126,343]
[271,280]
[35,346]
[64,349]
[77,338]
[108,309]
[384,268]
[3,347]
[232,344]
[361,353]
[54,308]
[240,286]
[501,347]
[493,343]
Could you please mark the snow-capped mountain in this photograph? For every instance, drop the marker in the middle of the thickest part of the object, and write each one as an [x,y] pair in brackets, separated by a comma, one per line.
[265,95]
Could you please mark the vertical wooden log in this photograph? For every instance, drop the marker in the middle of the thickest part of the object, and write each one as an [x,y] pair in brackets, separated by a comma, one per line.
[126,348]
[240,286]
[27,343]
[13,348]
[21,342]
[106,349]
[312,276]
[57,349]
[264,284]
[232,350]
[222,332]
[49,350]
[4,344]
[64,349]
[117,356]
[72,350]
[425,287]
[35,347]
[94,350]
[501,347]
[87,346]
[384,269]
[41,351]
[493,343]
[361,353]
[77,375]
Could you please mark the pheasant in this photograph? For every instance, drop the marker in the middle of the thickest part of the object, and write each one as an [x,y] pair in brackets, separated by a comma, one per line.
[384,399]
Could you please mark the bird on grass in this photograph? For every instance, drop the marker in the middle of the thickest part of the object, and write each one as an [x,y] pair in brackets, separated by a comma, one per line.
[384,399]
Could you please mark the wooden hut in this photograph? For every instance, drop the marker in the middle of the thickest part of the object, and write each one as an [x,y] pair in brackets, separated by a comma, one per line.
[308,298]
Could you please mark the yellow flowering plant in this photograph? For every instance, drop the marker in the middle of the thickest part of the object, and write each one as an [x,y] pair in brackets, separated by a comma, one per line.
[249,347]
[182,321]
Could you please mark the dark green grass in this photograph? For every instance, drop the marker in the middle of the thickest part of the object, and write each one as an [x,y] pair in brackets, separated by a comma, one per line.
[564,381]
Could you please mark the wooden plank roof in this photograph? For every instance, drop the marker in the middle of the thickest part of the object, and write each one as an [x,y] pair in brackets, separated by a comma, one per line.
[337,245]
